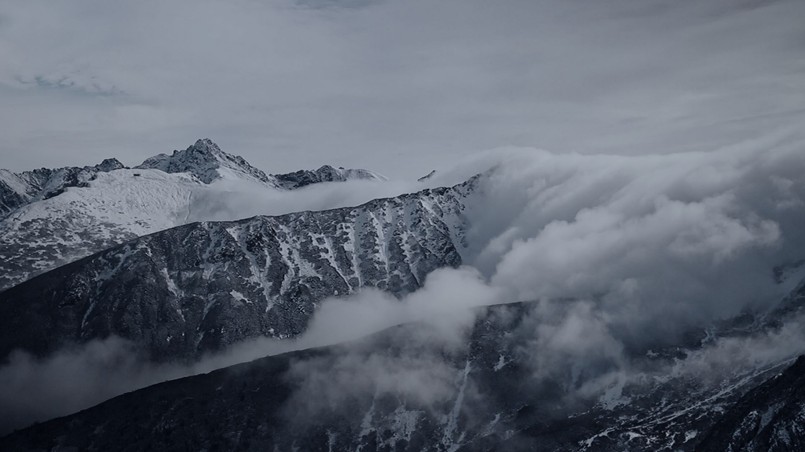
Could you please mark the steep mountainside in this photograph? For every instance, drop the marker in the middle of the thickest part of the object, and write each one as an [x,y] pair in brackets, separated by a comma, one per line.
[481,395]
[115,207]
[770,417]
[53,217]
[199,287]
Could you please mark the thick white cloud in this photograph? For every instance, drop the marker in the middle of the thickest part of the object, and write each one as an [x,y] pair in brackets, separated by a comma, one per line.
[690,234]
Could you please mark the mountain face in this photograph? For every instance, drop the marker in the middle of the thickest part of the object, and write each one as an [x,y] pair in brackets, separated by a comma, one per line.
[326,173]
[409,389]
[770,417]
[19,189]
[114,207]
[179,290]
[200,287]
[44,225]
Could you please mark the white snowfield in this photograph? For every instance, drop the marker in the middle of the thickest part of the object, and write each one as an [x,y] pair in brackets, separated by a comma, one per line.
[140,201]
[115,207]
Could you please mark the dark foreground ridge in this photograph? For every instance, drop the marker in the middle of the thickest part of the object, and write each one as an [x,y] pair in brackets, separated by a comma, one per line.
[414,387]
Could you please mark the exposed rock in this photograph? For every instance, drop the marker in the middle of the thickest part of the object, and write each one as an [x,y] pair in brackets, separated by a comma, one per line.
[406,389]
[207,162]
[19,189]
[326,173]
[45,227]
[200,287]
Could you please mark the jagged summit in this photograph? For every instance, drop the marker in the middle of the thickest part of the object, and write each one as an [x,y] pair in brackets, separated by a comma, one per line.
[109,165]
[207,162]
[326,173]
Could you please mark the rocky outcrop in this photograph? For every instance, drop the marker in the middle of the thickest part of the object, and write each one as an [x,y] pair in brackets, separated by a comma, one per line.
[770,417]
[206,162]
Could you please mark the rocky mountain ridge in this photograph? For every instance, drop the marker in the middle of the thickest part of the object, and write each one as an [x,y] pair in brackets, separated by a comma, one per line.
[197,288]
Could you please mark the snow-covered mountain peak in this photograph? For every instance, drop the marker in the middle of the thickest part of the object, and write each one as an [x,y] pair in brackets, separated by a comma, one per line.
[109,165]
[20,189]
[207,162]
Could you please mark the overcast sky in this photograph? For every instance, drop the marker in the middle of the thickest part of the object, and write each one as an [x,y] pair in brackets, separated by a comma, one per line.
[396,86]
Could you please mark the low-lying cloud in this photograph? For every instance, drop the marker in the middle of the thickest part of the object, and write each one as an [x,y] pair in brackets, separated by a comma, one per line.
[34,389]
[684,237]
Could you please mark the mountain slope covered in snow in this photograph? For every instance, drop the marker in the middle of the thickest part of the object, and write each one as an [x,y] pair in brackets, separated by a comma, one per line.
[57,216]
[207,162]
[200,287]
[19,189]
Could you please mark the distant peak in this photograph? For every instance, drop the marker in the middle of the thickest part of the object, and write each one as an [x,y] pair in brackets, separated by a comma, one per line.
[109,165]
[204,146]
[325,173]
[204,160]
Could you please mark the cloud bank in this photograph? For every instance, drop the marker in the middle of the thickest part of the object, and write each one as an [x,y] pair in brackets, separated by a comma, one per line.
[34,389]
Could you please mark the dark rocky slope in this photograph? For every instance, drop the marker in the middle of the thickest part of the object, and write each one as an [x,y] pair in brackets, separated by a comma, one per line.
[42,226]
[197,288]
[415,388]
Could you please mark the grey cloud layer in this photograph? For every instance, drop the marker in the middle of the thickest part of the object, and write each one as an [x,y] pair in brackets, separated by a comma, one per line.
[400,87]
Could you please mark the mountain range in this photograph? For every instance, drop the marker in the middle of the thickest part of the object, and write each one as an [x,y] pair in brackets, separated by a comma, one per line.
[100,253]
[52,217]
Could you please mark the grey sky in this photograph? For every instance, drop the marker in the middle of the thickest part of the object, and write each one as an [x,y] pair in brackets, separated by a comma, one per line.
[396,86]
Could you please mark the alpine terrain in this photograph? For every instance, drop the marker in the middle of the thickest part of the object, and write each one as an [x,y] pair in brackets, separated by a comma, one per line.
[51,217]
[124,315]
